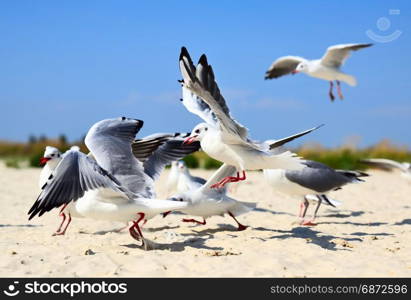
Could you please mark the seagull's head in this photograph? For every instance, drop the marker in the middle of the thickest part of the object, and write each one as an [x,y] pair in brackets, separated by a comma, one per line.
[181,198]
[51,154]
[181,166]
[301,67]
[197,134]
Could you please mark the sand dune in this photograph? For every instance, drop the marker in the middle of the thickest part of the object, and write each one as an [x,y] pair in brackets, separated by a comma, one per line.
[370,235]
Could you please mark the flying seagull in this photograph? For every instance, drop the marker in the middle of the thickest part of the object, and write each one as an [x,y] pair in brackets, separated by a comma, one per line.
[222,137]
[327,68]
[388,164]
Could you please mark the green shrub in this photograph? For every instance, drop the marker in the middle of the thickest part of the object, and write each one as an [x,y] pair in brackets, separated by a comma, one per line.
[13,163]
[34,160]
[191,161]
[211,163]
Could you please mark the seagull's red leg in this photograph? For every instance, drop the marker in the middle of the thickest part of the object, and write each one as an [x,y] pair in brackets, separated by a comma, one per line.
[304,222]
[221,183]
[133,232]
[308,223]
[63,215]
[195,221]
[339,90]
[241,227]
[229,179]
[330,92]
[300,214]
[311,222]
[137,234]
[65,227]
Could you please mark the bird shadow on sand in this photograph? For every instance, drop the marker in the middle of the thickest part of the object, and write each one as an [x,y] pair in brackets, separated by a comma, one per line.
[259,209]
[371,224]
[403,222]
[103,232]
[155,229]
[344,214]
[195,242]
[20,225]
[312,237]
[211,231]
[370,234]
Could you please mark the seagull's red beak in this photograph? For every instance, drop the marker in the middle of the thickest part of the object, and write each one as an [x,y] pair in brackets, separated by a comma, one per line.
[165,214]
[44,160]
[189,140]
[294,72]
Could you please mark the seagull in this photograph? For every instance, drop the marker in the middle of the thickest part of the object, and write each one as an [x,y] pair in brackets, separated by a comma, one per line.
[172,178]
[205,201]
[388,164]
[312,183]
[51,158]
[327,68]
[49,161]
[186,181]
[221,137]
[110,183]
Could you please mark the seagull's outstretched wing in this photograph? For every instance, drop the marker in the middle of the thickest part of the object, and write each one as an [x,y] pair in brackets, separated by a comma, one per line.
[386,164]
[278,143]
[198,107]
[143,148]
[171,150]
[74,175]
[283,66]
[201,82]
[110,142]
[336,55]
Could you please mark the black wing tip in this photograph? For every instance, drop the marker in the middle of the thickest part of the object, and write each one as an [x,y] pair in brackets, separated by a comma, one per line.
[139,124]
[363,174]
[184,53]
[268,75]
[326,199]
[203,60]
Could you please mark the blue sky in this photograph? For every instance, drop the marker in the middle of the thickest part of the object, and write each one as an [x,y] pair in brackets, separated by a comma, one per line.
[67,64]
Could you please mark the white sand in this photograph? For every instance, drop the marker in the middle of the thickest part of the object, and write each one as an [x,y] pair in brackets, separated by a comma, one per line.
[369,235]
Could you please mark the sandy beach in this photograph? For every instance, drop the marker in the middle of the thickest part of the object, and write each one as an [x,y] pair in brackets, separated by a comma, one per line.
[368,235]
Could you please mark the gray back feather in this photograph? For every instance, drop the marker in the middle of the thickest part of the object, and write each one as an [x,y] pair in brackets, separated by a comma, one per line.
[318,177]
[110,142]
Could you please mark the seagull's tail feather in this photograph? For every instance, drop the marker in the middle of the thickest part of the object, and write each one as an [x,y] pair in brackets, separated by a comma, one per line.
[349,79]
[242,207]
[353,175]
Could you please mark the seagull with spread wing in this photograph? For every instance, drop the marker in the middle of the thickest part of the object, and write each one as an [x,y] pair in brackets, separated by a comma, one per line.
[115,181]
[327,68]
[205,201]
[222,137]
[388,165]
